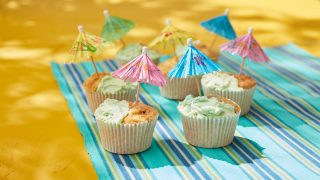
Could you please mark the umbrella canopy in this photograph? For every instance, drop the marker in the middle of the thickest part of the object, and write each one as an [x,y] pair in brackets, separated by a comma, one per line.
[247,47]
[192,63]
[221,26]
[182,48]
[115,28]
[169,38]
[86,45]
[141,69]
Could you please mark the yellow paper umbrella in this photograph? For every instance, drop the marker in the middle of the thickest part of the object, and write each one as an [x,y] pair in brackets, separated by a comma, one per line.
[85,46]
[169,38]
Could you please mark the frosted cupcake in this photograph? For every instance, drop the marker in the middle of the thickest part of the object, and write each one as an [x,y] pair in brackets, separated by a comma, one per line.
[131,51]
[99,88]
[125,127]
[239,88]
[177,88]
[209,122]
[184,78]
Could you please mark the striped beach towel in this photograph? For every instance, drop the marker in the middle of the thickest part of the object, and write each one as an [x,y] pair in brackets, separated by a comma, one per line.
[278,139]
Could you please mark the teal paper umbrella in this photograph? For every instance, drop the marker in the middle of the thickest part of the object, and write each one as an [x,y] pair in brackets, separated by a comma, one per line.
[115,28]
[221,26]
[193,63]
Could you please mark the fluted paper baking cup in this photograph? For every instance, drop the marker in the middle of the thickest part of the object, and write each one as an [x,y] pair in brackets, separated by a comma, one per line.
[179,88]
[126,138]
[242,98]
[210,132]
[96,98]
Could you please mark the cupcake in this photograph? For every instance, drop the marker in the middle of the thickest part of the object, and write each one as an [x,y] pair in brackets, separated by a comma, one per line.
[99,88]
[177,88]
[239,88]
[125,127]
[184,78]
[209,122]
[131,51]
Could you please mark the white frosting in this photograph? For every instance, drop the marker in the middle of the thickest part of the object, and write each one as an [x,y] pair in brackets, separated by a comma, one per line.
[203,106]
[112,111]
[109,84]
[220,81]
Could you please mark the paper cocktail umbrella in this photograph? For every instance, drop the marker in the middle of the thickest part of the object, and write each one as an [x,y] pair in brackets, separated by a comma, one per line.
[85,46]
[169,38]
[142,70]
[246,47]
[193,63]
[221,26]
[115,28]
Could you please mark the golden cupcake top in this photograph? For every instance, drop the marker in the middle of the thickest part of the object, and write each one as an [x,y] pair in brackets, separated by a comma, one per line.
[245,81]
[228,101]
[124,112]
[139,112]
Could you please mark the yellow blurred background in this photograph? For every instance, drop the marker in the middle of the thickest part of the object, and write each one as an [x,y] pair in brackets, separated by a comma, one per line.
[39,139]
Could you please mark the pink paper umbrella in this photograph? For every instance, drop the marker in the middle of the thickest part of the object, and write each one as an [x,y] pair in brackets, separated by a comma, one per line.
[246,47]
[141,69]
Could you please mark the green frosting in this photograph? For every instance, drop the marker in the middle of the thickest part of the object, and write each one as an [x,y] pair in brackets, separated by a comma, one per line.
[220,81]
[133,50]
[109,84]
[112,110]
[203,106]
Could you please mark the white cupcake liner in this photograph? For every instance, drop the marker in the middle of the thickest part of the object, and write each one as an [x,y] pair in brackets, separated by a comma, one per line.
[242,98]
[96,98]
[179,88]
[210,132]
[126,138]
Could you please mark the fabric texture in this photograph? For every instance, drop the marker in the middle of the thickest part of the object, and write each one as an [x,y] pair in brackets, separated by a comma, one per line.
[278,138]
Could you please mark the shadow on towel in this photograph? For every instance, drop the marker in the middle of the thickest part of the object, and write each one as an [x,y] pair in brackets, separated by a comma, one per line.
[240,151]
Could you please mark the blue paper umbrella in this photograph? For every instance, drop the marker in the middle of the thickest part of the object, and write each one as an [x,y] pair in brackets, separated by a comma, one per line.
[192,63]
[221,26]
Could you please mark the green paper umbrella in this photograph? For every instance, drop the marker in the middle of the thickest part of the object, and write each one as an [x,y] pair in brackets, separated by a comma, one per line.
[115,28]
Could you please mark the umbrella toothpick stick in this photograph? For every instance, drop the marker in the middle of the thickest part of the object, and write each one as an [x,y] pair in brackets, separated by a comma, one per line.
[213,41]
[242,64]
[122,42]
[138,92]
[94,65]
